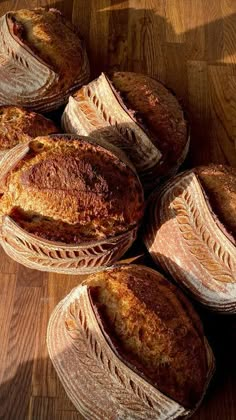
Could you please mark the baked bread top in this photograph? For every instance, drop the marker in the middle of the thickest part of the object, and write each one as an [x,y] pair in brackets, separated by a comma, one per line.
[154,329]
[70,189]
[219,185]
[157,110]
[52,39]
[18,125]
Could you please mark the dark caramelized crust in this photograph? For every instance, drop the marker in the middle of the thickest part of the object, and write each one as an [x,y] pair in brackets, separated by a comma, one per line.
[158,111]
[72,190]
[154,329]
[18,126]
[219,184]
[52,38]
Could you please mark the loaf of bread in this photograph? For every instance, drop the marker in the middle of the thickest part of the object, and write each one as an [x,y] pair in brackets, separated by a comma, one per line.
[17,125]
[135,341]
[42,59]
[219,185]
[191,233]
[71,190]
[136,113]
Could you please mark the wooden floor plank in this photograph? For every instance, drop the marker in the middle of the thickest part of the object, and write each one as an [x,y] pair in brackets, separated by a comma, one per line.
[15,388]
[42,408]
[199,110]
[7,265]
[175,30]
[7,293]
[194,24]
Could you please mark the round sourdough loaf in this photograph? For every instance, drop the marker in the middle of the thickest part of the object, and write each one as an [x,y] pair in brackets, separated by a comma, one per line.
[137,114]
[191,233]
[135,342]
[63,189]
[17,125]
[42,59]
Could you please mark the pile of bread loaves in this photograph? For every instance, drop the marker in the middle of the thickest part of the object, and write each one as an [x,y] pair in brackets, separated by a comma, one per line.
[126,344]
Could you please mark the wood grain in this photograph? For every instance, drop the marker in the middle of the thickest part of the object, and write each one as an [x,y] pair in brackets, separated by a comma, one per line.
[191,46]
[173,40]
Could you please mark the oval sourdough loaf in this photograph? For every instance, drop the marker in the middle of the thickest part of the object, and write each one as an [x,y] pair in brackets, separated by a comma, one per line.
[70,190]
[191,232]
[42,59]
[136,113]
[135,342]
[17,125]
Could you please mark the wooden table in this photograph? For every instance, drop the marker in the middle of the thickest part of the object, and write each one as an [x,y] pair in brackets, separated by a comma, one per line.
[190,45]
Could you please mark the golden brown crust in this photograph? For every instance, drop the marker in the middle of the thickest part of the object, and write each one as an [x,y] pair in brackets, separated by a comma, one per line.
[157,110]
[154,329]
[53,39]
[64,183]
[219,184]
[18,125]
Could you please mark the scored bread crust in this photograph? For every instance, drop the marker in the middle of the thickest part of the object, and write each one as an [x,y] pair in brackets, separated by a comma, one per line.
[50,36]
[88,358]
[191,233]
[17,125]
[158,111]
[137,114]
[72,190]
[154,328]
[219,185]
[42,59]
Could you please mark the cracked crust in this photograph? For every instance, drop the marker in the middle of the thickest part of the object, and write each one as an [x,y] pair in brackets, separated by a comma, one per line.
[53,39]
[157,110]
[70,190]
[154,329]
[18,125]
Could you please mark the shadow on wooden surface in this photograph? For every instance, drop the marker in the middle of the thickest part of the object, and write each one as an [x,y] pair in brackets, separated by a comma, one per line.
[190,45]
[29,387]
[20,400]
[15,393]
[220,400]
[33,391]
[197,64]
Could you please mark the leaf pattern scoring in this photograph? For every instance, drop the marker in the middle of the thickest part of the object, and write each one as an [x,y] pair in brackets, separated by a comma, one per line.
[201,243]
